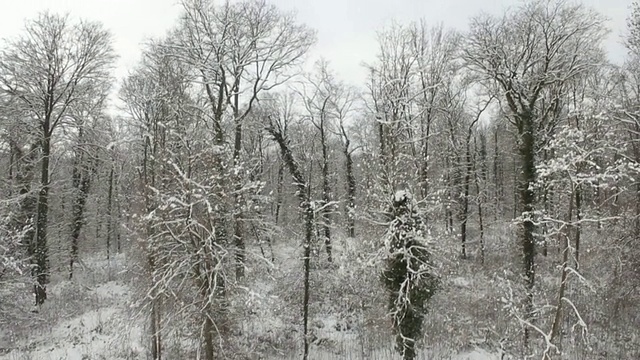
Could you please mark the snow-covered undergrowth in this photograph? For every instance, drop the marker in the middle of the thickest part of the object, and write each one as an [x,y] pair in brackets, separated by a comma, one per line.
[471,317]
[93,316]
[97,315]
[348,317]
[86,318]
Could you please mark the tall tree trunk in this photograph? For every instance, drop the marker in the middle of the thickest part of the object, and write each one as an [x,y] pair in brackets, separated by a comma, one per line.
[24,174]
[547,209]
[209,343]
[216,101]
[527,155]
[465,199]
[41,249]
[481,196]
[211,285]
[465,215]
[307,209]
[516,190]
[238,234]
[578,226]
[385,158]
[564,235]
[424,168]
[351,193]
[448,219]
[12,159]
[637,212]
[118,211]
[148,179]
[156,336]
[279,191]
[496,178]
[81,180]
[547,202]
[98,221]
[110,211]
[326,193]
[307,266]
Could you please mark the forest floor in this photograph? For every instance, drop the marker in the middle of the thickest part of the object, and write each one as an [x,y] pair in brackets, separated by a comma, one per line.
[83,319]
[95,316]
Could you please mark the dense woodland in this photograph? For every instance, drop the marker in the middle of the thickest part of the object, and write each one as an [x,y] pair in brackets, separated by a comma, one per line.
[480,191]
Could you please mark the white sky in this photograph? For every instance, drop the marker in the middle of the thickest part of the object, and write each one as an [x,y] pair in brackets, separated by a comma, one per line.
[346,28]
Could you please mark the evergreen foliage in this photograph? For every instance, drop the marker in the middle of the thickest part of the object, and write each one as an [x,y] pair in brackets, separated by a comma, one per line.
[408,277]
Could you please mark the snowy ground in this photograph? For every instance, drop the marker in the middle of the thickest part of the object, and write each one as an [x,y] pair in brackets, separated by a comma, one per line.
[91,317]
[83,320]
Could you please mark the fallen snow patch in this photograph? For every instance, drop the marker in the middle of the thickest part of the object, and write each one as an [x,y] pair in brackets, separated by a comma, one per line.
[111,290]
[87,322]
[461,282]
[478,354]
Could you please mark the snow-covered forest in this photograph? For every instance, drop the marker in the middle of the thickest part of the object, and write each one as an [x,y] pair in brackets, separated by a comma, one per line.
[478,197]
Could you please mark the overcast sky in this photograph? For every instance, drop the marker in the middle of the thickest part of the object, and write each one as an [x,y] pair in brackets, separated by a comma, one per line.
[346,28]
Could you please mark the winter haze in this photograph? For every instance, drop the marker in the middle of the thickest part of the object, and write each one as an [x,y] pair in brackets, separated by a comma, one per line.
[346,29]
[319,180]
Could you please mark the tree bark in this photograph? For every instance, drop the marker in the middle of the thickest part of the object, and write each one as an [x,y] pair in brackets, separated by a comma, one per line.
[326,190]
[351,193]
[564,235]
[547,210]
[481,198]
[468,168]
[426,132]
[12,165]
[41,249]
[307,209]
[527,179]
[118,210]
[448,219]
[23,176]
[110,212]
[81,181]
[238,234]
[156,336]
[498,191]
[578,226]
[279,192]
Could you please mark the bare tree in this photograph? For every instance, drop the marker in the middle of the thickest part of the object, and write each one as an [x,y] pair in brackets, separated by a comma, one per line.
[275,127]
[86,117]
[468,173]
[344,107]
[46,72]
[318,102]
[240,50]
[389,95]
[437,51]
[527,56]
